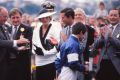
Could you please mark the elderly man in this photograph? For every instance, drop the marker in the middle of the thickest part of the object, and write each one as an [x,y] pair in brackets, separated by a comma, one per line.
[6,44]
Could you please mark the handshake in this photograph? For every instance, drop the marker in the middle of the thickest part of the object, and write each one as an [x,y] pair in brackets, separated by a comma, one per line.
[25,44]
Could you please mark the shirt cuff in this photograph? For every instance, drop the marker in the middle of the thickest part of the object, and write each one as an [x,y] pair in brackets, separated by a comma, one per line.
[14,43]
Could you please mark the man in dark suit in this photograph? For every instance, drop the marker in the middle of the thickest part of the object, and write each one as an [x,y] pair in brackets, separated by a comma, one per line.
[109,62]
[6,44]
[21,63]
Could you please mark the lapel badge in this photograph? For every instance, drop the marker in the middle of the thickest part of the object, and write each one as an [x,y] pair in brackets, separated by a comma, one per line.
[118,35]
[5,29]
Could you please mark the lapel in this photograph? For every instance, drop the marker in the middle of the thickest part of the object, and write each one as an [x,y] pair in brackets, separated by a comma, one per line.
[18,32]
[42,38]
[67,31]
[5,32]
[116,33]
[1,33]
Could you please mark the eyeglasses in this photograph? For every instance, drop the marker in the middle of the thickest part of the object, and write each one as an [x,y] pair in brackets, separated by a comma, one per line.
[4,16]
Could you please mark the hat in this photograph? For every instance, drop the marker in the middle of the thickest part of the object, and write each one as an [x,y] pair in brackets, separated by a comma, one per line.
[48,5]
[45,13]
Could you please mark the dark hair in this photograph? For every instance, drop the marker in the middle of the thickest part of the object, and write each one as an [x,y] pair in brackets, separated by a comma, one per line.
[78,27]
[14,11]
[68,12]
[102,3]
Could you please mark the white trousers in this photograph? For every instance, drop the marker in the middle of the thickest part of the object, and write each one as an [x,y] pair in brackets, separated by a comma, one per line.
[67,74]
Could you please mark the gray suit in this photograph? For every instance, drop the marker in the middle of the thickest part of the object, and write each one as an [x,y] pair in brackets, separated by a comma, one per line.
[67,31]
[5,46]
[113,50]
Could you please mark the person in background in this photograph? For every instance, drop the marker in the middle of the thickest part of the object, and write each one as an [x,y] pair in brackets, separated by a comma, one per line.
[101,11]
[50,6]
[88,39]
[80,15]
[27,19]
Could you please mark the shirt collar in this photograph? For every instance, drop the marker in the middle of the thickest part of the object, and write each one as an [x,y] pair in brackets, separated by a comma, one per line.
[113,26]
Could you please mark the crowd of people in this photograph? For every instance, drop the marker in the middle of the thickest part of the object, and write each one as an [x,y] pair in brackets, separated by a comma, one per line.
[77,47]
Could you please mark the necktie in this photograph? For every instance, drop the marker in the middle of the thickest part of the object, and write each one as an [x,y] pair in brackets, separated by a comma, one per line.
[69,30]
[112,27]
[14,32]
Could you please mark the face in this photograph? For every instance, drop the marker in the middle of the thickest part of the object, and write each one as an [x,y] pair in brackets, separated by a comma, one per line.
[3,16]
[92,21]
[16,19]
[79,16]
[65,19]
[45,20]
[113,17]
[102,7]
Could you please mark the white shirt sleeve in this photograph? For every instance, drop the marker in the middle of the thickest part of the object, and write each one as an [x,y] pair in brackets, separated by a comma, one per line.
[14,43]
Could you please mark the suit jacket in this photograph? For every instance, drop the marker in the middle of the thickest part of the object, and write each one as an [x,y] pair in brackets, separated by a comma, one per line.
[24,57]
[113,50]
[90,40]
[64,34]
[5,45]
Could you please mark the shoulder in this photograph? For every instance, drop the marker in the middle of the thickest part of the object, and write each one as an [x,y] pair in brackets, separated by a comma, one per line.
[90,28]
[25,26]
[72,43]
[27,29]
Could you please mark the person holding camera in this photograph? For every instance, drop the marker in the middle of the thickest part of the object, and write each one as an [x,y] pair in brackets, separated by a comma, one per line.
[45,38]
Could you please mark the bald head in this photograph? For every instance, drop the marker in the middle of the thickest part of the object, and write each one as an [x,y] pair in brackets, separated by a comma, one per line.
[3,15]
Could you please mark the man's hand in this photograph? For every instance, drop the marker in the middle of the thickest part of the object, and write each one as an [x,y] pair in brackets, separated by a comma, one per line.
[22,48]
[22,41]
[106,31]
